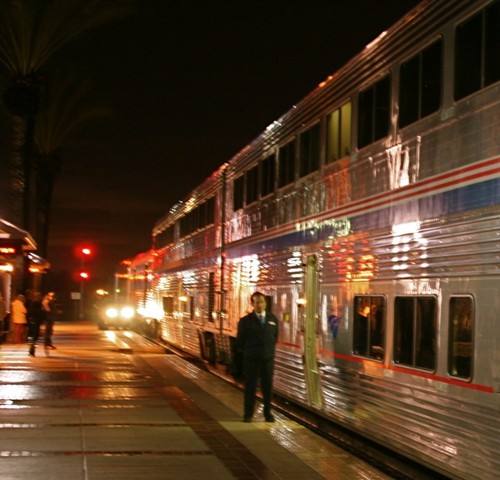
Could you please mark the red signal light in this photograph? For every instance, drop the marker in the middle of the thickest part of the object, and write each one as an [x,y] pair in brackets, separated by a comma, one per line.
[84,275]
[84,251]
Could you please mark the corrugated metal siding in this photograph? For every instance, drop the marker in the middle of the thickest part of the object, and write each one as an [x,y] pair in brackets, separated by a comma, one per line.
[444,430]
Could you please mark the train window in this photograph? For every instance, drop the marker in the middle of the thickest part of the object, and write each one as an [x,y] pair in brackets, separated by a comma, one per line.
[238,189]
[421,85]
[460,345]
[268,175]
[184,226]
[201,216]
[374,112]
[193,220]
[369,326]
[165,238]
[168,305]
[187,307]
[477,42]
[211,296]
[338,135]
[198,218]
[309,150]
[286,164]
[492,44]
[252,184]
[415,331]
[269,303]
[210,211]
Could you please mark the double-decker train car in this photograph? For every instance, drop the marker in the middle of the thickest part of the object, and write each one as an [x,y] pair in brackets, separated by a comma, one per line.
[369,216]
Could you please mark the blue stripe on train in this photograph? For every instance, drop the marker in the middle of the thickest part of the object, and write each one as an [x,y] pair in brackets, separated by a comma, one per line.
[470,197]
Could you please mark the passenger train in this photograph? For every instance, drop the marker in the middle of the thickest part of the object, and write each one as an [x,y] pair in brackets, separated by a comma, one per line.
[369,216]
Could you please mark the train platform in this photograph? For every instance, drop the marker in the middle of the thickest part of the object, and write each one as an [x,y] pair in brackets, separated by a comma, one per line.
[107,405]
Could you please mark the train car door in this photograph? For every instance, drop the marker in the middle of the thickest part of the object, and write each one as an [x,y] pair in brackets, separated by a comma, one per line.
[311,332]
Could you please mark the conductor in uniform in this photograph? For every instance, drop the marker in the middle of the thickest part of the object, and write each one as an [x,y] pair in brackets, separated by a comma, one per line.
[256,341]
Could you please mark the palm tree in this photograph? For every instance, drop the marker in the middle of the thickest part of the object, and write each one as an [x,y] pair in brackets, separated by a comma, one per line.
[31,32]
[70,99]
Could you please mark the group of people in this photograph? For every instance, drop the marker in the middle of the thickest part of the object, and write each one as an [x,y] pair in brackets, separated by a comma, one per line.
[255,343]
[28,313]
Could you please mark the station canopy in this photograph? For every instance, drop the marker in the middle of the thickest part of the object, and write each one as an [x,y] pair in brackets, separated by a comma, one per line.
[16,241]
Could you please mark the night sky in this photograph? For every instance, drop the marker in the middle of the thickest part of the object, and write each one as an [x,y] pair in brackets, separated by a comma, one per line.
[191,83]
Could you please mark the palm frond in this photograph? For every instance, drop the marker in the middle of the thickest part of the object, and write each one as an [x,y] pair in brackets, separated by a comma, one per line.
[71,99]
[31,31]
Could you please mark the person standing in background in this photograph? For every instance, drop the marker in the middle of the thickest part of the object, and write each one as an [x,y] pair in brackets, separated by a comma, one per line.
[3,318]
[18,317]
[35,319]
[3,311]
[256,341]
[50,313]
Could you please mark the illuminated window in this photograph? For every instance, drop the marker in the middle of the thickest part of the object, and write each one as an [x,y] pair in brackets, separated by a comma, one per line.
[374,112]
[187,307]
[8,251]
[286,164]
[309,150]
[369,326]
[460,345]
[415,332]
[477,44]
[420,85]
[338,134]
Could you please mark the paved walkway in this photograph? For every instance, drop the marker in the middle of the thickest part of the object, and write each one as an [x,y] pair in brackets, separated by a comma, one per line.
[110,405]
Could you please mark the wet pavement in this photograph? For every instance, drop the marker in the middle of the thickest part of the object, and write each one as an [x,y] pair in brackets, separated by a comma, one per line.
[111,405]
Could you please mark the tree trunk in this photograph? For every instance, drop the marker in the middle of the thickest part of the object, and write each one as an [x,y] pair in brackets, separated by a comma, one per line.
[22,99]
[17,171]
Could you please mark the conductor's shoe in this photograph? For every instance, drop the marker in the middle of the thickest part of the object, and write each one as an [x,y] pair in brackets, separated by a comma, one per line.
[247,419]
[269,418]
[32,350]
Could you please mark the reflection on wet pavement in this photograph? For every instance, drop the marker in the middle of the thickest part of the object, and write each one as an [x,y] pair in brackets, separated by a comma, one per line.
[90,411]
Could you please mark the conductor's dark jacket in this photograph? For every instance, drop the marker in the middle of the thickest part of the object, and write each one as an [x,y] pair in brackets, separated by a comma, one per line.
[255,341]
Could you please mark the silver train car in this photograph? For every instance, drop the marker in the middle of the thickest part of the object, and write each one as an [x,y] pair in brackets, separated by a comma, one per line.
[369,215]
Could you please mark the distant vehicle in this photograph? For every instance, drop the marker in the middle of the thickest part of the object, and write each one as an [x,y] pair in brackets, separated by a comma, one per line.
[115,315]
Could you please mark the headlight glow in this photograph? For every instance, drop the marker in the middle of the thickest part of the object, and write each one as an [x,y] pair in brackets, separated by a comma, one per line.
[127,312]
[111,312]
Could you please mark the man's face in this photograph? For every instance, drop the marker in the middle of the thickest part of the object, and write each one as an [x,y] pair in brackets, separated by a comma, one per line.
[259,304]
